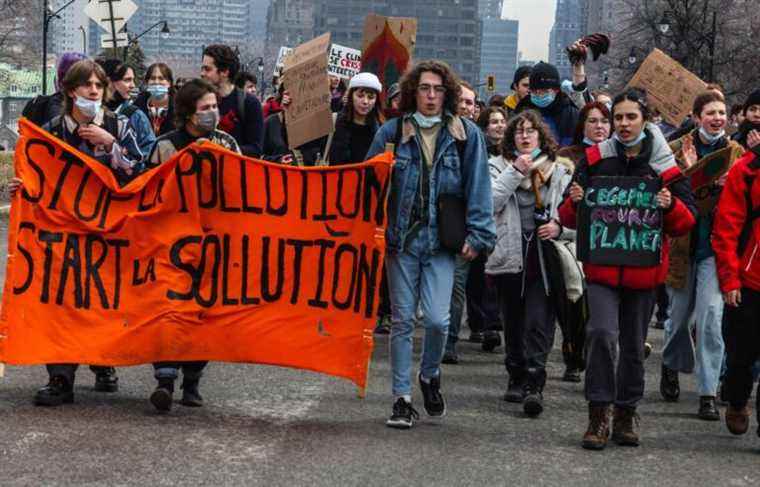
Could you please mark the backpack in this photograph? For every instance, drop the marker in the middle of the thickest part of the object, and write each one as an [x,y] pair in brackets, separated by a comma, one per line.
[36,109]
[241,104]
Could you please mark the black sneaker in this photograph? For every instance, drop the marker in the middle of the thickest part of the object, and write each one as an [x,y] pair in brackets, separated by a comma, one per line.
[669,387]
[106,380]
[491,341]
[58,391]
[403,415]
[450,357]
[432,399]
[190,395]
[162,396]
[533,404]
[515,391]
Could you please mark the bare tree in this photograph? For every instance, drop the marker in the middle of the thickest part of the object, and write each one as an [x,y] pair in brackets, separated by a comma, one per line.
[20,31]
[712,38]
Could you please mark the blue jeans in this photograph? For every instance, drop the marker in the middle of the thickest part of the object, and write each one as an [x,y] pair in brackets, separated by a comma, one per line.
[458,295]
[417,277]
[699,300]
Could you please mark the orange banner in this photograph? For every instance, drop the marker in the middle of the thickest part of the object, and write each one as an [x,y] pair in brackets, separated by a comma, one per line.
[211,256]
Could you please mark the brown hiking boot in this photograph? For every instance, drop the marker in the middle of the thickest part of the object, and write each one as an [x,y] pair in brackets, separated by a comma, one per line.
[624,423]
[598,428]
[737,420]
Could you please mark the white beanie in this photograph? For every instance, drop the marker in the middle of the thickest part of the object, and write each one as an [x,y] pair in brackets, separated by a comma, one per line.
[365,80]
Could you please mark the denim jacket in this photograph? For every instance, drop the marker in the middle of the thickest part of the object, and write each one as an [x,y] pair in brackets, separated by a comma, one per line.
[142,128]
[468,179]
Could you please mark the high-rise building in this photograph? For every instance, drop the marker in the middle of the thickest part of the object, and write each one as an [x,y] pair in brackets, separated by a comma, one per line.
[446,30]
[289,23]
[490,9]
[68,30]
[569,25]
[498,54]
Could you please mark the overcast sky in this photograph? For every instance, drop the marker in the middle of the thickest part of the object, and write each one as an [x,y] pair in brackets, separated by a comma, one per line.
[536,18]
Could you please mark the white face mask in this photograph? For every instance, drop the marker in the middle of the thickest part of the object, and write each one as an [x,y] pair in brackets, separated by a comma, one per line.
[88,108]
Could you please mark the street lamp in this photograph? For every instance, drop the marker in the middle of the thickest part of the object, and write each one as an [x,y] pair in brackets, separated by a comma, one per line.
[84,40]
[164,34]
[47,16]
[632,56]
[664,24]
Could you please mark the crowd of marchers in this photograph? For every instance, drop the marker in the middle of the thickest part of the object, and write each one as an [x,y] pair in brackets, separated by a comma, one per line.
[515,170]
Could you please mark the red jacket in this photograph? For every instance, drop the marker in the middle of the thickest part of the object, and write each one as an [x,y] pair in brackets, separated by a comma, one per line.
[736,230]
[678,219]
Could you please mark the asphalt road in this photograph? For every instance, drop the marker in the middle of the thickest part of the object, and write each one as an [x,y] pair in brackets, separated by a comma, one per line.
[272,426]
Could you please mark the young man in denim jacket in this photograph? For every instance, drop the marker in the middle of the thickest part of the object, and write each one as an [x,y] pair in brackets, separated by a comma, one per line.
[437,153]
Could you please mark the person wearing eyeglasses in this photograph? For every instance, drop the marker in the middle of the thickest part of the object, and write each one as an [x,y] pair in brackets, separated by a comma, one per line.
[440,174]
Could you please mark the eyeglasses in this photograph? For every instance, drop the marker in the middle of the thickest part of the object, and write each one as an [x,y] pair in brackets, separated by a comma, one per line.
[526,132]
[439,89]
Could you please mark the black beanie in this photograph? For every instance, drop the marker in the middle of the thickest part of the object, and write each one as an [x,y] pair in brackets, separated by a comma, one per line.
[115,69]
[752,99]
[522,72]
[544,76]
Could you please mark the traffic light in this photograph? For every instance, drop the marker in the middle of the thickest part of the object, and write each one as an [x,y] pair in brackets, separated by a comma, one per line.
[491,83]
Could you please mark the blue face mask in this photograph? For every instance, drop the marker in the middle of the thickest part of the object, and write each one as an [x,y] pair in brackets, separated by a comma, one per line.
[543,101]
[533,155]
[632,143]
[424,122]
[157,92]
[709,138]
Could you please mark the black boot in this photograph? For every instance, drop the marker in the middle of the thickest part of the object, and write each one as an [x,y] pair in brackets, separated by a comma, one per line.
[58,391]
[515,389]
[190,395]
[533,404]
[162,396]
[491,340]
[105,379]
[669,387]
[707,409]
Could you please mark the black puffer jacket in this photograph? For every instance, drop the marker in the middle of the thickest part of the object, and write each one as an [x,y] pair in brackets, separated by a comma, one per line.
[561,116]
[350,141]
[744,129]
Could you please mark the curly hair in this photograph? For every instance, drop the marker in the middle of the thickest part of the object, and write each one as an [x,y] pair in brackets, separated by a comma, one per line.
[411,80]
[545,138]
[580,127]
[224,59]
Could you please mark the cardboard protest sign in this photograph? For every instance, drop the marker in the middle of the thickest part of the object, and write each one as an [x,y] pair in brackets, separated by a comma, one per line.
[619,222]
[344,62]
[210,256]
[308,117]
[670,87]
[703,176]
[388,48]
[281,55]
